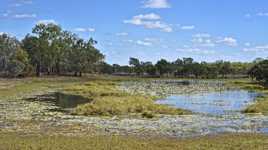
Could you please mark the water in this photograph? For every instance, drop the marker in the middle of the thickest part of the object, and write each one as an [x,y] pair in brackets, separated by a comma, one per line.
[61,100]
[215,103]
[219,112]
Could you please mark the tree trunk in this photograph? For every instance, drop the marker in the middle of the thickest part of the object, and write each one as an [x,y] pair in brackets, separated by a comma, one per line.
[38,70]
[58,68]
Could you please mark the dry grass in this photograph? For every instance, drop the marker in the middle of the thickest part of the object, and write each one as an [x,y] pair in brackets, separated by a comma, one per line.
[12,141]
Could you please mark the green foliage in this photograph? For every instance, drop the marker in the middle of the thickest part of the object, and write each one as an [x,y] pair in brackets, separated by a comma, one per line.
[52,50]
[183,68]
[13,60]
[260,71]
[163,66]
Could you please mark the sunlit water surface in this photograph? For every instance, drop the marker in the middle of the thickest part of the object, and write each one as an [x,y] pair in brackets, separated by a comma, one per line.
[214,103]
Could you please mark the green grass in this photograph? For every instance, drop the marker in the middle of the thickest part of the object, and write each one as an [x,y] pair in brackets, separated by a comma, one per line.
[108,100]
[15,141]
[19,88]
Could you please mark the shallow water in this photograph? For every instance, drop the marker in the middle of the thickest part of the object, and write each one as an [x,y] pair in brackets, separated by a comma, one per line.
[216,103]
[217,107]
[62,100]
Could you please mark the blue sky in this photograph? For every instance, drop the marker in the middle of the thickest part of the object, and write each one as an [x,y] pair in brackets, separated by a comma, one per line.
[207,30]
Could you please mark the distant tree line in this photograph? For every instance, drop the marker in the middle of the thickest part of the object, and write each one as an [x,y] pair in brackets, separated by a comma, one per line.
[48,50]
[183,68]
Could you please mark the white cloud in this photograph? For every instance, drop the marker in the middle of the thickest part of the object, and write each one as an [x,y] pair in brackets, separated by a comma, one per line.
[91,29]
[80,29]
[158,25]
[143,43]
[130,41]
[84,30]
[151,16]
[261,48]
[202,35]
[206,40]
[151,39]
[230,41]
[139,42]
[247,44]
[247,16]
[24,16]
[5,14]
[195,50]
[191,27]
[203,39]
[149,21]
[156,4]
[19,3]
[47,21]
[262,14]
[122,34]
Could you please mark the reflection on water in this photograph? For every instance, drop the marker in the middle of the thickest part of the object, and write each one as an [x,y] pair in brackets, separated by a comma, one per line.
[64,101]
[217,103]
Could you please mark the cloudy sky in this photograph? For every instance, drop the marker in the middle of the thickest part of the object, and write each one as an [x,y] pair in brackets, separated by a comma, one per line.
[208,30]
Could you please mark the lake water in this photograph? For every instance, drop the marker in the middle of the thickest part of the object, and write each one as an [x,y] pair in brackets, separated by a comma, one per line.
[216,103]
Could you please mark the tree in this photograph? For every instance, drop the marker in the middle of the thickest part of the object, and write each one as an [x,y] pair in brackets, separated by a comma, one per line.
[136,65]
[83,56]
[260,71]
[53,50]
[31,45]
[163,66]
[224,68]
[13,59]
[48,37]
[149,68]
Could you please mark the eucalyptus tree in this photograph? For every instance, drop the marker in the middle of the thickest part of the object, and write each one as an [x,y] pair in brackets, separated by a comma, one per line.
[48,38]
[83,56]
[13,59]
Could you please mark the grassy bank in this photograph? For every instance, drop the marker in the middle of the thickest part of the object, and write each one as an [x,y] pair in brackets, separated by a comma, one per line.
[108,100]
[261,104]
[12,141]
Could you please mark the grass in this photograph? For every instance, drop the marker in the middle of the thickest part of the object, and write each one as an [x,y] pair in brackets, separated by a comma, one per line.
[261,102]
[19,88]
[15,141]
[108,100]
